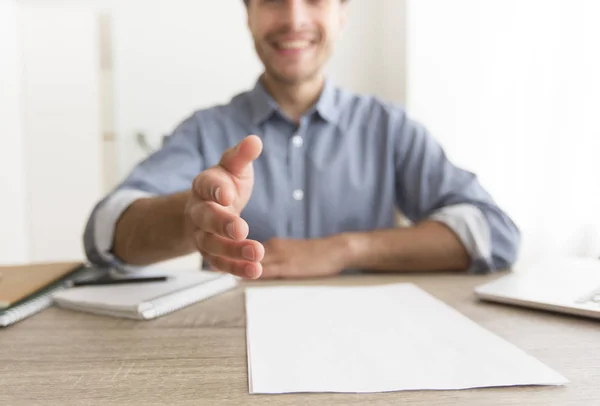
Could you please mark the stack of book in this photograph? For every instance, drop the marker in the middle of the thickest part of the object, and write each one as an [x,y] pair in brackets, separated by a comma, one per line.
[27,289]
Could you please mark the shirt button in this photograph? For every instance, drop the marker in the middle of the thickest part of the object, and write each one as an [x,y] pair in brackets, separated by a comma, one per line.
[297,141]
[298,194]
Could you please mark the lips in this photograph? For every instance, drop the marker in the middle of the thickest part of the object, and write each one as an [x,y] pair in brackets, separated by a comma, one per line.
[293,45]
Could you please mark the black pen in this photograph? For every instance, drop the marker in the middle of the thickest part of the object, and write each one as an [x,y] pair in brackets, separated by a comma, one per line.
[118,281]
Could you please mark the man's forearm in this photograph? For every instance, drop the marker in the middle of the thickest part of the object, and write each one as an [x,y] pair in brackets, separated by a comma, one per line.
[429,246]
[153,230]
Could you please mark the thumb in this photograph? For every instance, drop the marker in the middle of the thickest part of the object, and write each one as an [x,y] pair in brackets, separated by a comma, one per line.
[238,160]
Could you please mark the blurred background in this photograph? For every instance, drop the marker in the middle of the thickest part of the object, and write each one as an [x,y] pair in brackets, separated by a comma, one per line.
[511,88]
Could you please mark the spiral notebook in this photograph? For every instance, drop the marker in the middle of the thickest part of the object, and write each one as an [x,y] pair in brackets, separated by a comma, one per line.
[28,308]
[144,301]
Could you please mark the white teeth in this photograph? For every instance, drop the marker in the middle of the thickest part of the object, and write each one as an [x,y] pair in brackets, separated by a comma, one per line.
[300,44]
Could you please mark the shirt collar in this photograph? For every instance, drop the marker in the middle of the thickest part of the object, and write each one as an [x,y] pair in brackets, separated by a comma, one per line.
[328,105]
[263,105]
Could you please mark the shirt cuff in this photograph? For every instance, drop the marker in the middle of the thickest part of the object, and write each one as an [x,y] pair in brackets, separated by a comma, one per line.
[473,230]
[105,223]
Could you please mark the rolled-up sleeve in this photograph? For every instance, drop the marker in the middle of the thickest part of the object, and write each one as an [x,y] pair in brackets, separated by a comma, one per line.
[169,170]
[430,187]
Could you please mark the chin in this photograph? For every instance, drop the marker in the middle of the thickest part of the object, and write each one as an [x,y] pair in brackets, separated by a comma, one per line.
[293,78]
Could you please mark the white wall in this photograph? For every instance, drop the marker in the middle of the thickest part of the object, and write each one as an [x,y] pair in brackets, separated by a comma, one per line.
[13,230]
[62,128]
[355,63]
[512,90]
[392,50]
[50,143]
[173,58]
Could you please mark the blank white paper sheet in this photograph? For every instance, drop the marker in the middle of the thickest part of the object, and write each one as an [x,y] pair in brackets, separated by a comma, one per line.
[375,339]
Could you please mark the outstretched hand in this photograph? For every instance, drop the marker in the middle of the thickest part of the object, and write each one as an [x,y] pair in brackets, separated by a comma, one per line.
[218,196]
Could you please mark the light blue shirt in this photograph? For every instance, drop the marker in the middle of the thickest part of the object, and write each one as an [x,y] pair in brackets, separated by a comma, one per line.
[347,166]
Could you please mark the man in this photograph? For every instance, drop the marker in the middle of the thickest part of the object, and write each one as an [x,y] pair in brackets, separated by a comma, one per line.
[297,178]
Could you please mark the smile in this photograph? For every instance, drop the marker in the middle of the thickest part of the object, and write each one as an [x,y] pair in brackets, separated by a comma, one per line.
[293,45]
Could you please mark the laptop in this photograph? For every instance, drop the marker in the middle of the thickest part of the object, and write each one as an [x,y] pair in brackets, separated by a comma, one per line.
[570,286]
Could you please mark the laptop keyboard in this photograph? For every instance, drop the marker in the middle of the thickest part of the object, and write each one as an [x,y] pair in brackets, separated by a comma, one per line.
[591,299]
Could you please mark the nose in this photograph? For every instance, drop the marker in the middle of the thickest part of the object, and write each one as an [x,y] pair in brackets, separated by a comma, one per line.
[296,14]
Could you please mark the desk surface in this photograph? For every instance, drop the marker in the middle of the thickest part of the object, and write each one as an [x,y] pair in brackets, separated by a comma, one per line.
[198,355]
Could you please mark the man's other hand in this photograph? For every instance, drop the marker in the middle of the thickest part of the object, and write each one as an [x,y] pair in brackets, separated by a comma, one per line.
[219,194]
[311,258]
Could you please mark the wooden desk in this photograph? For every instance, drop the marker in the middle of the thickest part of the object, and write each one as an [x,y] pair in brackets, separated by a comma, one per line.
[198,355]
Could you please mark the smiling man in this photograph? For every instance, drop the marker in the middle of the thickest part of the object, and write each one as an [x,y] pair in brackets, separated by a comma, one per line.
[298,178]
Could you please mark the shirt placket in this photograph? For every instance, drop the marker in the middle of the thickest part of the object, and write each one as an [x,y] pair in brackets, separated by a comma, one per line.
[297,182]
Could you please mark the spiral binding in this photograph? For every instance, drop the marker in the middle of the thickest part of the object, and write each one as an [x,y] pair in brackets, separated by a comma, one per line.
[175,301]
[27,309]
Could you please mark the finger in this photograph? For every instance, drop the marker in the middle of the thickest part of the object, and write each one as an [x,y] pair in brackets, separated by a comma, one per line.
[215,245]
[243,269]
[212,218]
[215,185]
[238,160]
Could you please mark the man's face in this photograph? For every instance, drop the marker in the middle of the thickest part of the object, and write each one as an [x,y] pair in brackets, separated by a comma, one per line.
[294,38]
